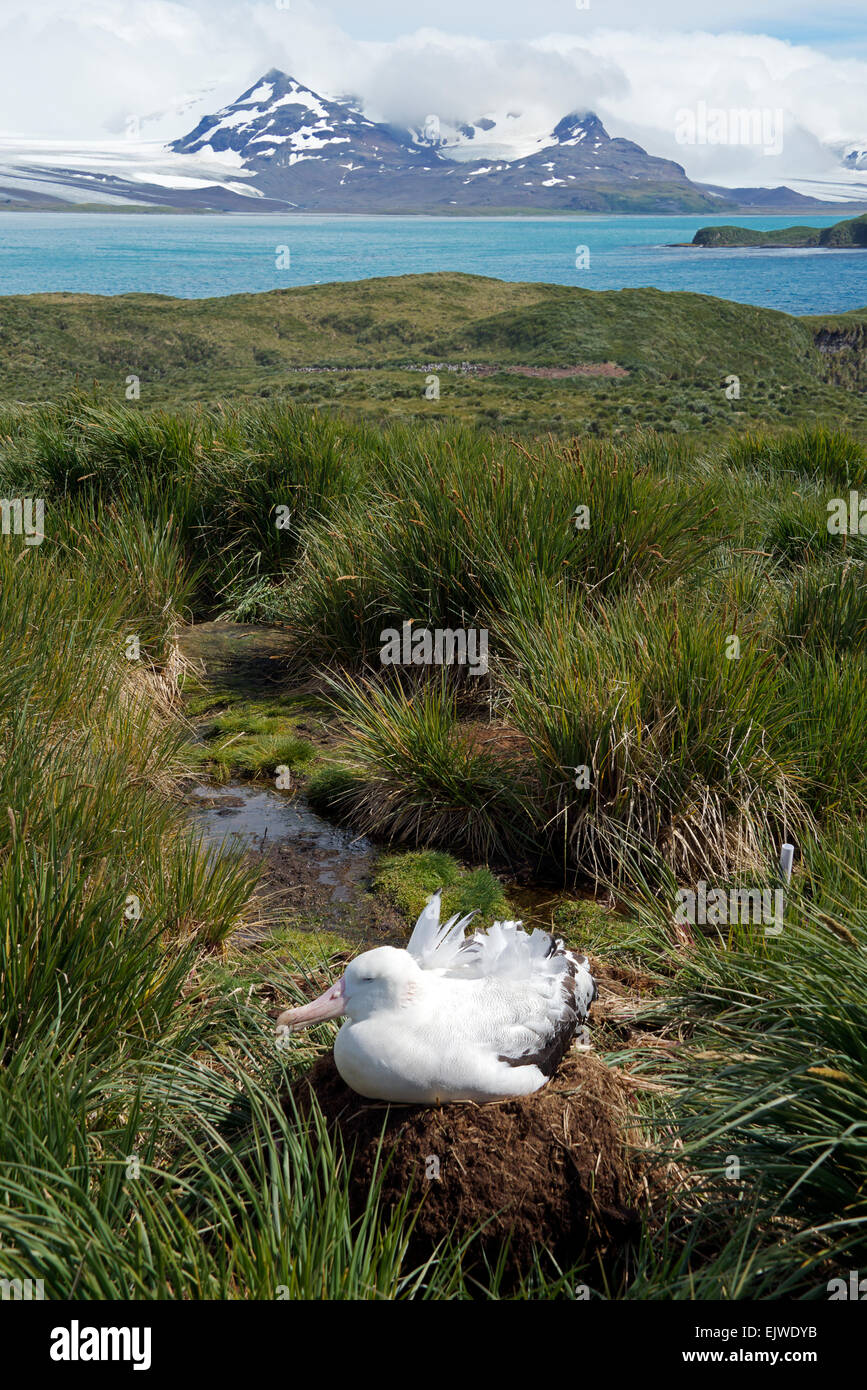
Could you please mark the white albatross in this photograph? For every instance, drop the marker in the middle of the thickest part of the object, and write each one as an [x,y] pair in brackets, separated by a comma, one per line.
[453,1018]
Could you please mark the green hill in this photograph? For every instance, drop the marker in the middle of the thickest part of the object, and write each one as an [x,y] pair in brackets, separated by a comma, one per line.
[852,232]
[644,355]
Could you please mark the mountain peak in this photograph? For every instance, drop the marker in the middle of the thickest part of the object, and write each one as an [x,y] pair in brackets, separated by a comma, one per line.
[278,115]
[580,127]
[279,122]
[306,150]
[274,84]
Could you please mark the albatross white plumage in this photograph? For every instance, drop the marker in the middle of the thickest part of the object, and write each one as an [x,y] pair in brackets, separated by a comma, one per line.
[453,1018]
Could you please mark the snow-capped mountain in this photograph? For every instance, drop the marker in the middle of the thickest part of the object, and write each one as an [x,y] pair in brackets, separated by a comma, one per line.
[284,146]
[498,135]
[279,123]
[320,153]
[855,156]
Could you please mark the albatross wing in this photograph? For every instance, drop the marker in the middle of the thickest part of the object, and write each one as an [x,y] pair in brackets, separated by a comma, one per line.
[526,976]
[436,946]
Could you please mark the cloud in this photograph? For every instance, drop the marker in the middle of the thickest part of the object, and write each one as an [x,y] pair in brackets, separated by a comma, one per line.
[83,72]
[819,98]
[431,71]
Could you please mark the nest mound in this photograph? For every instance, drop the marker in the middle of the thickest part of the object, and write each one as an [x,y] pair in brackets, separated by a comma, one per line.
[548,1171]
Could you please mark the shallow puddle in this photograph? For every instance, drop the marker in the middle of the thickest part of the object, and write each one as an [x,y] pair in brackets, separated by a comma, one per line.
[310,861]
[263,820]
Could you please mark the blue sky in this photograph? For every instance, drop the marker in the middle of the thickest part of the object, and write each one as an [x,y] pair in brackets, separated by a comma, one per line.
[827,25]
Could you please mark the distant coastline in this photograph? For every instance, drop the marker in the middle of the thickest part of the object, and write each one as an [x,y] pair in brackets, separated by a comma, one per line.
[445,214]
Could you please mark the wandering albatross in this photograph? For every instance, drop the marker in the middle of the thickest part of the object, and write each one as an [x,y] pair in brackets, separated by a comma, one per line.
[452,1018]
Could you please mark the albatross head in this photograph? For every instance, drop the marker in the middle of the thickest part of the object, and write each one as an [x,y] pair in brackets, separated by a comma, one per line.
[379,979]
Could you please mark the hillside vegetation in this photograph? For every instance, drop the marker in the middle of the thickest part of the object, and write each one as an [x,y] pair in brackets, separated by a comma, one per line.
[364,347]
[142,1097]
[676,685]
[849,233]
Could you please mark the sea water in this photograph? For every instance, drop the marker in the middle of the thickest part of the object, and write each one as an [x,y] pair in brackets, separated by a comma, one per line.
[195,256]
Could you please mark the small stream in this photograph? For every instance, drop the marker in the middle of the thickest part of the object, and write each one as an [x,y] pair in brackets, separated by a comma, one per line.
[261,819]
[310,861]
[245,657]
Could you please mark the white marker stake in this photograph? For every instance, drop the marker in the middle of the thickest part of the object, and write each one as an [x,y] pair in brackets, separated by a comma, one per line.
[787,854]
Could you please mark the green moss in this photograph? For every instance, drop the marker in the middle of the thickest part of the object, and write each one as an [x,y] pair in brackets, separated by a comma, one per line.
[249,739]
[200,701]
[636,942]
[259,757]
[309,949]
[587,925]
[407,881]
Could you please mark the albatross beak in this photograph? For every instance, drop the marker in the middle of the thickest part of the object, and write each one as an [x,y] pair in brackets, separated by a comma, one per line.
[331,1004]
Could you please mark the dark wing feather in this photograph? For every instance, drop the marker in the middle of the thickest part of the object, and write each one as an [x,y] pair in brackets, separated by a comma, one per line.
[576,1007]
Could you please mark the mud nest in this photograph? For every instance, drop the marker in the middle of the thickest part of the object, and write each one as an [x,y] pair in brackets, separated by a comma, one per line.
[549,1171]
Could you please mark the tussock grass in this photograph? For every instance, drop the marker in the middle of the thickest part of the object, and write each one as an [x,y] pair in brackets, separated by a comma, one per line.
[609,645]
[420,777]
[831,457]
[610,649]
[775,1077]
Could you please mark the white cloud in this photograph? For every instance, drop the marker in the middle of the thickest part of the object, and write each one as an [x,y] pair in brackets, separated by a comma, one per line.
[821,98]
[82,72]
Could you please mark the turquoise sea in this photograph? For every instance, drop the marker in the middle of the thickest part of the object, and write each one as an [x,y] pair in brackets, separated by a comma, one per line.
[198,256]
